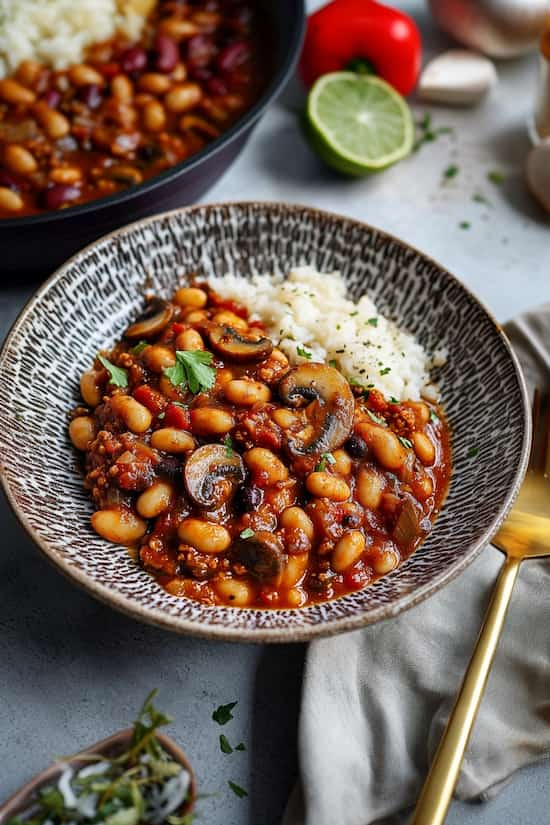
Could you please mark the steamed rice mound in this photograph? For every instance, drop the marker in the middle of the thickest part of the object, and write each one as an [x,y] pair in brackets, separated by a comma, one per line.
[310,313]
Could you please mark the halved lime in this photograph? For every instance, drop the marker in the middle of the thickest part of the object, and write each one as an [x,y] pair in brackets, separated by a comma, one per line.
[358,123]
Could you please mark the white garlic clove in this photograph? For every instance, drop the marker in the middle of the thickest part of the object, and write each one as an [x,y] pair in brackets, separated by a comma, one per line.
[537,173]
[457,78]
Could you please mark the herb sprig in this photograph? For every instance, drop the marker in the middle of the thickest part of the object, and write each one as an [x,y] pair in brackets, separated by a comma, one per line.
[193,370]
[117,375]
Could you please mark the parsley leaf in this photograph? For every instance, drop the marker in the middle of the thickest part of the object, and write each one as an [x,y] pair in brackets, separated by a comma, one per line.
[192,369]
[228,444]
[333,362]
[385,370]
[496,177]
[464,224]
[322,465]
[303,353]
[376,418]
[434,416]
[451,171]
[372,321]
[139,347]
[225,747]
[406,442]
[393,400]
[240,747]
[472,452]
[247,533]
[118,376]
[237,790]
[223,715]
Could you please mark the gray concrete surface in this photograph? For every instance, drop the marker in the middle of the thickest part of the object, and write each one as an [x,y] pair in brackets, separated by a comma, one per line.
[71,670]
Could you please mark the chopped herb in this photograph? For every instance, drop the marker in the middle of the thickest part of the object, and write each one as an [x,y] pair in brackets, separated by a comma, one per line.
[192,369]
[223,715]
[353,314]
[405,442]
[434,417]
[333,362]
[247,533]
[322,465]
[237,790]
[376,418]
[240,747]
[372,321]
[338,326]
[139,347]
[393,400]
[303,353]
[426,121]
[451,171]
[228,444]
[472,452]
[118,376]
[161,415]
[225,747]
[479,198]
[428,132]
[464,224]
[385,371]
[496,177]
[354,382]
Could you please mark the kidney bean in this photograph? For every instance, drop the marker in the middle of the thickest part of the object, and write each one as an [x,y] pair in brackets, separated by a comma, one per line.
[233,56]
[61,193]
[90,95]
[167,53]
[216,86]
[200,51]
[133,59]
[9,181]
[52,98]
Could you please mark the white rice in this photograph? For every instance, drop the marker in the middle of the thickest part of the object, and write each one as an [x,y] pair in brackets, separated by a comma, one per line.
[58,32]
[311,310]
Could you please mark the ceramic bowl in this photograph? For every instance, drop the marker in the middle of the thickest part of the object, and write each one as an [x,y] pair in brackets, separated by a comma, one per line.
[89,302]
[111,746]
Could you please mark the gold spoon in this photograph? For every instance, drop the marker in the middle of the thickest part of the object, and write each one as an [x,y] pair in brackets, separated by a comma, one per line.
[524,535]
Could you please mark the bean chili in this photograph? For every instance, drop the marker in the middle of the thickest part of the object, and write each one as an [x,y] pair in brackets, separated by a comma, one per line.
[131,110]
[246,481]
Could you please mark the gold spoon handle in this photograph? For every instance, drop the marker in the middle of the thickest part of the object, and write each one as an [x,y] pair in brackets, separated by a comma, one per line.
[438,789]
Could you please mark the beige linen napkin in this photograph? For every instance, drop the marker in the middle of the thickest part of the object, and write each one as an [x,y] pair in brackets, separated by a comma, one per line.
[375,702]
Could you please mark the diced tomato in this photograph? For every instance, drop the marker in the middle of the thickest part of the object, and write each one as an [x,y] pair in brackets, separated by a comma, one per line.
[176,416]
[357,577]
[177,327]
[150,398]
[108,69]
[226,303]
[377,402]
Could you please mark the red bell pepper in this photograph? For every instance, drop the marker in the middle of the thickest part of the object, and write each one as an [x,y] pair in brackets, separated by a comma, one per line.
[344,32]
[177,416]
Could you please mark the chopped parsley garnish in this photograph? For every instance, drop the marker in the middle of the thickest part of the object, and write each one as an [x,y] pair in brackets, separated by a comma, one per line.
[354,382]
[240,747]
[434,417]
[353,314]
[464,224]
[385,370]
[496,177]
[139,347]
[237,790]
[451,171]
[225,747]
[161,415]
[393,400]
[372,321]
[479,198]
[376,418]
[247,533]
[405,442]
[333,362]
[118,376]
[472,452]
[222,715]
[303,353]
[428,132]
[228,444]
[192,369]
[326,458]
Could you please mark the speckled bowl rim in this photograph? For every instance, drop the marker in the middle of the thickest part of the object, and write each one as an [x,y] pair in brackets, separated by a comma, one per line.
[159,618]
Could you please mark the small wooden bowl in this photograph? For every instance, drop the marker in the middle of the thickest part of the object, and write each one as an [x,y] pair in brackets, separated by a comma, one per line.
[113,744]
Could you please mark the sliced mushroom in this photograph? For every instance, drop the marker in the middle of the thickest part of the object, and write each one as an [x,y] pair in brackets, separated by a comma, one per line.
[232,344]
[407,526]
[156,316]
[262,555]
[332,415]
[211,475]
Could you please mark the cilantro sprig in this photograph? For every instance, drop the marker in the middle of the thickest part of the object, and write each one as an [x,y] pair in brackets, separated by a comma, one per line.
[326,458]
[303,352]
[117,375]
[192,370]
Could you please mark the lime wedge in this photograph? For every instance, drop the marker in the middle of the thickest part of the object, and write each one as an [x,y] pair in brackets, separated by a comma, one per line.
[358,123]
